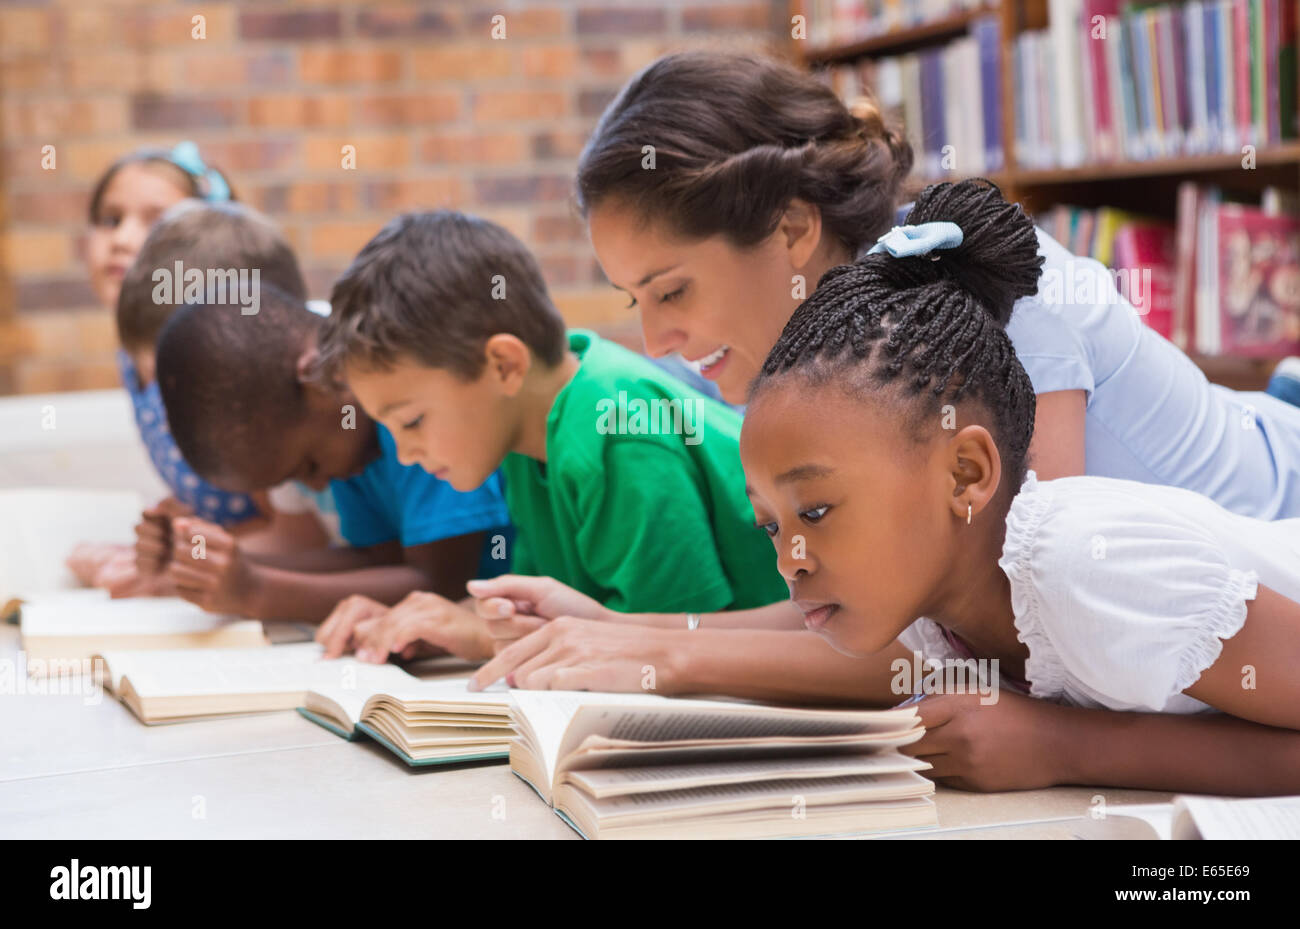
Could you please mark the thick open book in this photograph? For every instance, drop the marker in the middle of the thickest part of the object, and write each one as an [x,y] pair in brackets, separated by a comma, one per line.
[66,628]
[1202,818]
[643,766]
[39,527]
[169,685]
[431,722]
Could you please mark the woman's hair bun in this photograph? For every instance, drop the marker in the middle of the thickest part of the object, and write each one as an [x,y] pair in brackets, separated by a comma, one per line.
[997,261]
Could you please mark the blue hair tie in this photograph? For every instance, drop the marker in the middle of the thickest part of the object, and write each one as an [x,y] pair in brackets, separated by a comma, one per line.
[212,185]
[922,239]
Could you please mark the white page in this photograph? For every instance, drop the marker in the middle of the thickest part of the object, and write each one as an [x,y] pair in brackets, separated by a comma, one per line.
[687,775]
[390,680]
[93,613]
[191,672]
[39,526]
[1253,818]
[1159,816]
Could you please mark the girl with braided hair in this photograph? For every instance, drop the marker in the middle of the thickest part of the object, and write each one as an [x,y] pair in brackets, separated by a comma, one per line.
[885,448]
[719,189]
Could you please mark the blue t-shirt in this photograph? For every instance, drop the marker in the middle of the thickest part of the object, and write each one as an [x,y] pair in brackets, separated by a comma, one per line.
[1151,414]
[222,507]
[392,501]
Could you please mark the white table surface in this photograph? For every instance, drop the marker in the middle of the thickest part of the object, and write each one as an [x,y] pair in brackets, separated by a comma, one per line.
[71,768]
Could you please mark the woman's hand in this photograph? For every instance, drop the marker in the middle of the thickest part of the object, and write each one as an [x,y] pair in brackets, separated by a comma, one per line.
[569,653]
[1008,745]
[514,606]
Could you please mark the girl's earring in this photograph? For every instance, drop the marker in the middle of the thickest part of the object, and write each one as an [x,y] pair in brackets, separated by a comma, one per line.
[968,513]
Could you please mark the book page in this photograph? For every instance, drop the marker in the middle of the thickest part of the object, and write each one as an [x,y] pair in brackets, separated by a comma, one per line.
[193,672]
[700,721]
[1253,818]
[608,782]
[350,693]
[93,613]
[39,526]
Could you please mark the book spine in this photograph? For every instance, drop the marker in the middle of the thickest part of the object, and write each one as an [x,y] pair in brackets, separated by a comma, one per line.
[987,31]
[1289,118]
[1272,28]
[1242,78]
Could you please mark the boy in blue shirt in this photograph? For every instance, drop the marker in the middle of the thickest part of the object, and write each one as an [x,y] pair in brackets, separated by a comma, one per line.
[248,412]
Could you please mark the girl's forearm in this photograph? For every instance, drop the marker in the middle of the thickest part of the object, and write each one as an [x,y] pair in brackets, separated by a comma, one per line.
[1214,754]
[310,597]
[784,616]
[797,667]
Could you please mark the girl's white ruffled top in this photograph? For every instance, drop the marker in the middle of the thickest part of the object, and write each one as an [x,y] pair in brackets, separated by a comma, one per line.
[1123,591]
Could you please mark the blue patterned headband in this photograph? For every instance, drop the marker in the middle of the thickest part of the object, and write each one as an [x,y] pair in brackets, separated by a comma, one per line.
[212,186]
[922,239]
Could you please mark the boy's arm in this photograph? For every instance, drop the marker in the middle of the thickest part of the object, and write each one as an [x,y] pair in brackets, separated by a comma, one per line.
[213,573]
[331,559]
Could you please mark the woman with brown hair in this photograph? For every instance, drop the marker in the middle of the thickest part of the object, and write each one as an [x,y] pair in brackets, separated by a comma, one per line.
[719,188]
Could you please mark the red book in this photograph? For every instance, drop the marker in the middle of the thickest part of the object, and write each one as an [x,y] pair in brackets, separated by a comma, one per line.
[1241,80]
[1145,256]
[1103,120]
[1259,281]
[1182,333]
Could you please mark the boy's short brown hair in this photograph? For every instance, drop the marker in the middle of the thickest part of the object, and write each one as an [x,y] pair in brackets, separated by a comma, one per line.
[435,286]
[203,235]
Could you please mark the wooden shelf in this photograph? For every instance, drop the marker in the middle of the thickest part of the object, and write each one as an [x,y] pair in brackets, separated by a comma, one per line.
[1287,153]
[898,41]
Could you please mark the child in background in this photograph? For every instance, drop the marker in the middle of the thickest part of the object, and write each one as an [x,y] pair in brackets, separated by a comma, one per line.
[248,413]
[889,430]
[446,334]
[131,195]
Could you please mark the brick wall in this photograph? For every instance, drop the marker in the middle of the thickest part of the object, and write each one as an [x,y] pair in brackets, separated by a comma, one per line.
[440,113]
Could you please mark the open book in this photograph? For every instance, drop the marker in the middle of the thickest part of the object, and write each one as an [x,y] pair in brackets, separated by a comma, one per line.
[430,722]
[71,626]
[39,527]
[1202,818]
[169,685]
[644,766]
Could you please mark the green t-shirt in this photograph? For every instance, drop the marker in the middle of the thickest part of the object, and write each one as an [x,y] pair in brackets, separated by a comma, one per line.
[641,503]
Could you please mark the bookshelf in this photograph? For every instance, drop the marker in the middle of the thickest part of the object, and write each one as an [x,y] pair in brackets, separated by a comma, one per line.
[1147,187]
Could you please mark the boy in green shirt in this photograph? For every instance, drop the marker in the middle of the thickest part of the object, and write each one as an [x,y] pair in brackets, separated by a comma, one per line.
[621,481]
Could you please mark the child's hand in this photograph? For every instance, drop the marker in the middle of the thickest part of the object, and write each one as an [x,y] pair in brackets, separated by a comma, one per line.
[514,605]
[337,632]
[584,654]
[153,543]
[423,619]
[87,559]
[121,578]
[999,746]
[207,568]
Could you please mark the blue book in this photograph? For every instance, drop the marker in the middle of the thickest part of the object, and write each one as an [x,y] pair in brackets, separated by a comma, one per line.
[1128,94]
[1210,68]
[986,31]
[1144,80]
[932,113]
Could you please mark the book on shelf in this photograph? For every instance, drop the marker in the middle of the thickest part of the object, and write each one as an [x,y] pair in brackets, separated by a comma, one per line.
[643,766]
[1136,81]
[422,722]
[63,630]
[947,99]
[840,22]
[1223,279]
[1139,251]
